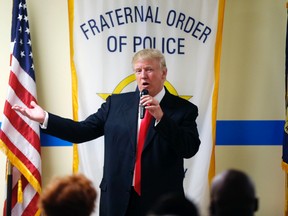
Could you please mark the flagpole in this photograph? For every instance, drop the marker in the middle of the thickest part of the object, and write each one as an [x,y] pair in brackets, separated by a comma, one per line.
[9,189]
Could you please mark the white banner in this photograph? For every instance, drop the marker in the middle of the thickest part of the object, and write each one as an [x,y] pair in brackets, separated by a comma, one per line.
[105,36]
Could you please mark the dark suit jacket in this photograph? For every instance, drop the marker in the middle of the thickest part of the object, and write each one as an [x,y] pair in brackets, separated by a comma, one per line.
[175,137]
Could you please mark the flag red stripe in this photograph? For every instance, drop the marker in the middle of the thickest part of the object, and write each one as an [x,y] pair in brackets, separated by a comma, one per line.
[14,196]
[32,208]
[22,127]
[20,90]
[23,151]
[34,171]
[15,190]
[4,207]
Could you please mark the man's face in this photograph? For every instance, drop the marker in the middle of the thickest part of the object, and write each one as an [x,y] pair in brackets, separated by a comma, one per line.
[149,75]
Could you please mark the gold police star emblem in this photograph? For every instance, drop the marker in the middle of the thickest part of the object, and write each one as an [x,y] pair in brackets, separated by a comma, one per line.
[131,78]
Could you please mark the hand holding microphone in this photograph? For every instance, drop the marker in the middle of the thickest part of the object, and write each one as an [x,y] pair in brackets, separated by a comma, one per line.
[142,107]
[151,104]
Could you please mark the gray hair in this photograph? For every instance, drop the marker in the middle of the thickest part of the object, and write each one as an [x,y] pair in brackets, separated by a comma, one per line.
[149,54]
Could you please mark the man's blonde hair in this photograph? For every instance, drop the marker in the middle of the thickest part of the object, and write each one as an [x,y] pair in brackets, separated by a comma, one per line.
[148,54]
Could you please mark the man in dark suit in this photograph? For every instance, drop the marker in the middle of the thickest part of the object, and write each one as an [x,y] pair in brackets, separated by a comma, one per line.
[172,136]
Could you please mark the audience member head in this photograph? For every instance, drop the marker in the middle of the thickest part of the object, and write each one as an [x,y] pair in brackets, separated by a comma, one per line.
[72,195]
[173,205]
[233,193]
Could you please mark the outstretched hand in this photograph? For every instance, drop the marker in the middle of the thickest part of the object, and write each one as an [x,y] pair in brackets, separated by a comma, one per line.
[36,113]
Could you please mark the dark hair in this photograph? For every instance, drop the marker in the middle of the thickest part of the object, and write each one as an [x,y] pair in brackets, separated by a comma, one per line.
[233,193]
[174,204]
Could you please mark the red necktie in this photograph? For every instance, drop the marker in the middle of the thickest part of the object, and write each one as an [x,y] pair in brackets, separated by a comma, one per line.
[141,140]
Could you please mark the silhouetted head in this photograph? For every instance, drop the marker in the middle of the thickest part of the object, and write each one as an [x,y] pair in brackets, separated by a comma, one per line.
[233,193]
[174,204]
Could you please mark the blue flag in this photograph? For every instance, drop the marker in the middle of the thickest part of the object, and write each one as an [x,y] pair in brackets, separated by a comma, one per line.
[285,141]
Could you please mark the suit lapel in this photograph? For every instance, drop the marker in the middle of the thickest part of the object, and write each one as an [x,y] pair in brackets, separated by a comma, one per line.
[165,104]
[130,116]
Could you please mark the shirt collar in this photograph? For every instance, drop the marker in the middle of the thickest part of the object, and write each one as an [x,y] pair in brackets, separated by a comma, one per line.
[160,95]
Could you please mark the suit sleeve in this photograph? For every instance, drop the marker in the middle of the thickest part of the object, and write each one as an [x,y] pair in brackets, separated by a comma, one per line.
[91,128]
[180,131]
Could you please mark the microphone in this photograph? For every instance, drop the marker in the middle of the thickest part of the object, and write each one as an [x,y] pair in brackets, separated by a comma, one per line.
[141,107]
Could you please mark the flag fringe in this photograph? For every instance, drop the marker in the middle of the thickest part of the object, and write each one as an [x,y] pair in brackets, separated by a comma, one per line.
[75,165]
[285,166]
[20,192]
[15,161]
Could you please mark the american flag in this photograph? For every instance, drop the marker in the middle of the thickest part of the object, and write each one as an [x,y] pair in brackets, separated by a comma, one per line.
[19,136]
